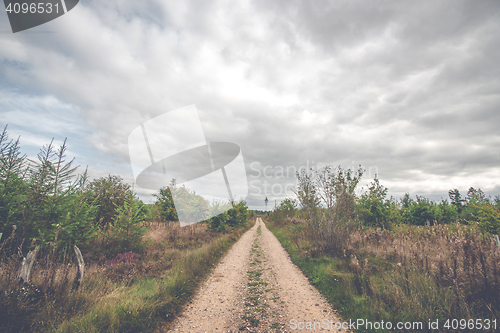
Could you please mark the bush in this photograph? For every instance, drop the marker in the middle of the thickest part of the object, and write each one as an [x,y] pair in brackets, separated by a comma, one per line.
[373,208]
[488,217]
[109,192]
[238,214]
[219,222]
[420,212]
[126,232]
[165,203]
[448,213]
[327,198]
[286,209]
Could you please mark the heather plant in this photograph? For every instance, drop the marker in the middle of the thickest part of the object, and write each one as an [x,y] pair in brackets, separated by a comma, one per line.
[122,258]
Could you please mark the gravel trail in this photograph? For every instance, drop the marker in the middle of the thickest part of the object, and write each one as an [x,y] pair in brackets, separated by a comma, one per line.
[256,288]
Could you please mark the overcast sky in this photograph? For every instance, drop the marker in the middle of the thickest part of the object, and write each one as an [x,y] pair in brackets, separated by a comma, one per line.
[408,89]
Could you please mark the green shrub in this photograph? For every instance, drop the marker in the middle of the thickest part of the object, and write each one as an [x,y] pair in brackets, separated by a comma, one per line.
[488,217]
[109,192]
[126,231]
[373,208]
[219,222]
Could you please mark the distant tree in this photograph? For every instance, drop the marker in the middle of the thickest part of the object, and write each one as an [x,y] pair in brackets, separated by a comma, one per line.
[373,207]
[220,216]
[288,207]
[189,205]
[476,195]
[109,192]
[487,216]
[456,199]
[421,211]
[266,201]
[448,213]
[307,192]
[496,201]
[126,230]
[165,202]
[474,201]
[238,214]
[406,201]
[219,222]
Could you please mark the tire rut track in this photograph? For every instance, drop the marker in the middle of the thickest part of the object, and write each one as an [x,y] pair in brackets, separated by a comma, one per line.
[255,288]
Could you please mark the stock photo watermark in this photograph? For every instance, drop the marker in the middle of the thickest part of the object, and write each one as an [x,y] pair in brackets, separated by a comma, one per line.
[26,14]
[173,146]
[411,326]
[282,180]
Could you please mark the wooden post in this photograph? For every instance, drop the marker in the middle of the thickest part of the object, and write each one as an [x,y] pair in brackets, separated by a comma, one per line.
[497,242]
[81,267]
[27,264]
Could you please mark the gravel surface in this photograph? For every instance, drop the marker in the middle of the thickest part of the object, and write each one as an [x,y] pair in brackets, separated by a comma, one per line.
[256,288]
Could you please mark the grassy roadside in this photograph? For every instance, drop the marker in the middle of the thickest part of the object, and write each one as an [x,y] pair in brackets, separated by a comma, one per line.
[137,294]
[151,302]
[405,275]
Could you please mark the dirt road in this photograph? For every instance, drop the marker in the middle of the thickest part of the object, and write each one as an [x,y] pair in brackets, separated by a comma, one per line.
[256,288]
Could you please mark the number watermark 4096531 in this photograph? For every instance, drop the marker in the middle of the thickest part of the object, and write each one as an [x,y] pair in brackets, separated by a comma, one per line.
[26,14]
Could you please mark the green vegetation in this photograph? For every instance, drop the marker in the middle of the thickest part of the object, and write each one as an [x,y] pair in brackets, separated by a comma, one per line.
[233,214]
[404,260]
[139,266]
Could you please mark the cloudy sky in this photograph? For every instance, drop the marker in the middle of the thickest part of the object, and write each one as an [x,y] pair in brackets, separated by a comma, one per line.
[408,89]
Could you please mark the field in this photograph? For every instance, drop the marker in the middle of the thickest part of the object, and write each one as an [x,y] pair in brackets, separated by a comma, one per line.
[407,274]
[131,293]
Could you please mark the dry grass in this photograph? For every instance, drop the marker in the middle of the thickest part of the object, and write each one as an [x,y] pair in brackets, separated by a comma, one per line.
[407,274]
[124,296]
[457,258]
[191,234]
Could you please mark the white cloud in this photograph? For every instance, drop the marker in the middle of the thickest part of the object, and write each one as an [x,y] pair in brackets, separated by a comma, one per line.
[386,84]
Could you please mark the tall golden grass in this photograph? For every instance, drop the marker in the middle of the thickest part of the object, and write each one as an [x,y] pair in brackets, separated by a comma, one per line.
[408,274]
[132,296]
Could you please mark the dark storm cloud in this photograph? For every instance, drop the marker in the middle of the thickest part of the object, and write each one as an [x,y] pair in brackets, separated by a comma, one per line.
[407,89]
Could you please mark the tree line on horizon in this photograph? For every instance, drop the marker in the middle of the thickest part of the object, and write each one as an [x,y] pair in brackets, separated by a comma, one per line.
[326,197]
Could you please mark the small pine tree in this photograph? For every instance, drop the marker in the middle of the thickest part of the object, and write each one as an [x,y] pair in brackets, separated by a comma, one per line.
[126,231]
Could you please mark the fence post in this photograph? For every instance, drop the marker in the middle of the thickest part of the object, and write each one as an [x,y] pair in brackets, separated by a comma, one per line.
[497,242]
[27,264]
[81,267]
